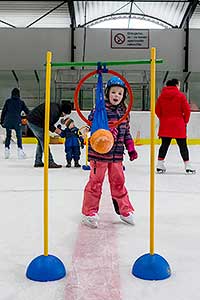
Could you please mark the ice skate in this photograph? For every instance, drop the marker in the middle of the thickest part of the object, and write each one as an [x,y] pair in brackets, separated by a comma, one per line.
[76,164]
[21,154]
[189,169]
[7,153]
[90,221]
[160,168]
[68,165]
[129,219]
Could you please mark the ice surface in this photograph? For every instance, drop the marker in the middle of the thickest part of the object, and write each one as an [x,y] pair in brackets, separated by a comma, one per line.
[177,226]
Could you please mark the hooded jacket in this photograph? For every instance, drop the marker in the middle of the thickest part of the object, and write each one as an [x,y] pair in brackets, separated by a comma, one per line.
[11,112]
[173,112]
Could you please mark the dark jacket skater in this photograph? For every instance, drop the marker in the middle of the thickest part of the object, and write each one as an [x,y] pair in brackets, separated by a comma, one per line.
[11,119]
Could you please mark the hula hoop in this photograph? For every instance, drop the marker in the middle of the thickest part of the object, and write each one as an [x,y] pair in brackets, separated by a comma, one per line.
[114,124]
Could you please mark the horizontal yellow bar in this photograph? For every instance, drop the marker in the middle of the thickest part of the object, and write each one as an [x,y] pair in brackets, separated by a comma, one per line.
[158,142]
[33,140]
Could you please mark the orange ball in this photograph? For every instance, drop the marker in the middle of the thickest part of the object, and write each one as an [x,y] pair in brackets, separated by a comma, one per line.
[102,141]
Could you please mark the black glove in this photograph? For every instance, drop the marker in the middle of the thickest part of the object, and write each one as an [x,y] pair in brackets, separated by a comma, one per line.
[59,126]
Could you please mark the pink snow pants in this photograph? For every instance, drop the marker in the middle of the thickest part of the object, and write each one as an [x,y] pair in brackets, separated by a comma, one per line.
[93,189]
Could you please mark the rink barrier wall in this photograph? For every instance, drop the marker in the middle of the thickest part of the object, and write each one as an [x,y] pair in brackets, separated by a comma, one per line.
[140,128]
[32,140]
[158,142]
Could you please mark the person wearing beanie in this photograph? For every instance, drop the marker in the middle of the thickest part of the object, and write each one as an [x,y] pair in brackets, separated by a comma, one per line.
[73,142]
[69,123]
[11,119]
[36,120]
[173,112]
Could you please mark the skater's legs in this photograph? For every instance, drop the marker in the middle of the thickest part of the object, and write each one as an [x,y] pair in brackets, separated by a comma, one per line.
[93,189]
[164,147]
[118,190]
[182,143]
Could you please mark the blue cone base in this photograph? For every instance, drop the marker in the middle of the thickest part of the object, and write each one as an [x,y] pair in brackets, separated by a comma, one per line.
[46,268]
[151,267]
[85,168]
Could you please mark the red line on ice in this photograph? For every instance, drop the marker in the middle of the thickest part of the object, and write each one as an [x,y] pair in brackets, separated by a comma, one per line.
[94,273]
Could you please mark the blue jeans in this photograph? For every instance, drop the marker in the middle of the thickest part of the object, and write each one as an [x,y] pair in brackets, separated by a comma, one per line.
[18,130]
[39,134]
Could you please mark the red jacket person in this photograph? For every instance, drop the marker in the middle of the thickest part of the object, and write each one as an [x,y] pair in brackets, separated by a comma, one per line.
[173,112]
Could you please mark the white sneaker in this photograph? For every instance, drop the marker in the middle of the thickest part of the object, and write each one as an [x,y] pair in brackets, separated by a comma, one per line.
[90,221]
[7,153]
[188,168]
[129,219]
[21,154]
[160,167]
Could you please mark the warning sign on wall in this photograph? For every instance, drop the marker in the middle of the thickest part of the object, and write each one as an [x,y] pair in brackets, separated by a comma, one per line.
[130,38]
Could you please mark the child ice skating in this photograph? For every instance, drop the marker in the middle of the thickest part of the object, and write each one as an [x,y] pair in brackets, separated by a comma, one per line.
[115,94]
[73,142]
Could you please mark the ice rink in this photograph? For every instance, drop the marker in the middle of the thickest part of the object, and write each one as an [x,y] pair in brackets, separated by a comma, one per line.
[99,261]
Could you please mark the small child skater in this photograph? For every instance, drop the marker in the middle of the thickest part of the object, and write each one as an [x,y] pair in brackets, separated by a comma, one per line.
[115,95]
[73,142]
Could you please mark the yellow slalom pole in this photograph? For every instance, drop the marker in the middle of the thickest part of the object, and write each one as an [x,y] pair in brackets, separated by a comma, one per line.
[46,148]
[152,147]
[152,266]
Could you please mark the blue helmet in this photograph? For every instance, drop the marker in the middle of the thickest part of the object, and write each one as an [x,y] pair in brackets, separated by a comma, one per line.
[115,81]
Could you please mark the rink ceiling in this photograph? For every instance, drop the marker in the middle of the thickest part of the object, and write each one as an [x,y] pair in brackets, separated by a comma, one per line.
[30,14]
